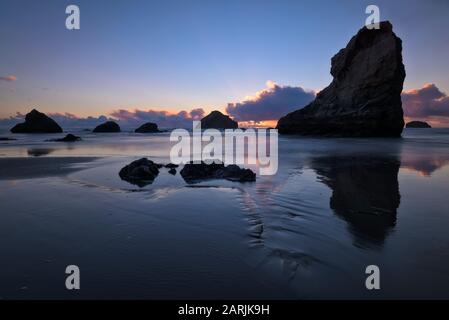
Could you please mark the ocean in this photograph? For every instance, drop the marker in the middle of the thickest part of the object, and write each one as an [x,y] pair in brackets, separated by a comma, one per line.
[335,206]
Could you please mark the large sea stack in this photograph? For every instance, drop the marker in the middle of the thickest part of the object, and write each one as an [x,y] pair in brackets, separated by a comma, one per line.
[217,120]
[37,122]
[364,98]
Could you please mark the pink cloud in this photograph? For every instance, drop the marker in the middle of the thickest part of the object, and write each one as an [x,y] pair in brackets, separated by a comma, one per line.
[427,103]
[270,103]
[163,119]
[8,78]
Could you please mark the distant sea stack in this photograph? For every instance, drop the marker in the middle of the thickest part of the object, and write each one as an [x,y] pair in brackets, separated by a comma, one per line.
[148,127]
[37,122]
[364,98]
[217,120]
[109,126]
[68,138]
[417,124]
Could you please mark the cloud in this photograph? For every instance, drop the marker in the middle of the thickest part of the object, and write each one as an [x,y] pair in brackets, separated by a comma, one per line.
[67,121]
[425,102]
[164,119]
[126,119]
[271,103]
[9,78]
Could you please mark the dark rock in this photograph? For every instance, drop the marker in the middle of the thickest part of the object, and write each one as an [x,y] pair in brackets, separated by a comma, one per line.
[68,138]
[148,127]
[6,139]
[193,172]
[172,171]
[109,126]
[37,122]
[140,172]
[235,173]
[217,120]
[364,98]
[417,124]
[171,166]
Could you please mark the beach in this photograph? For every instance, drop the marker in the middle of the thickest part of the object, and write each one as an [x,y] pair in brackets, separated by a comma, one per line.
[335,206]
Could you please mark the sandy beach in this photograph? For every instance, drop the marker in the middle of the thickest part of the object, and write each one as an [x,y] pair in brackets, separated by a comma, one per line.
[282,236]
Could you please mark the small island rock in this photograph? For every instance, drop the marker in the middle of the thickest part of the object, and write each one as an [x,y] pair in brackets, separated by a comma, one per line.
[217,120]
[68,138]
[109,126]
[148,127]
[417,124]
[37,122]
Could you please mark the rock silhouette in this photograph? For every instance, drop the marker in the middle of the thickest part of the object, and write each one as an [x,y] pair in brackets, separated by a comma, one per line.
[140,172]
[193,172]
[37,122]
[148,127]
[217,120]
[417,124]
[364,98]
[68,138]
[109,126]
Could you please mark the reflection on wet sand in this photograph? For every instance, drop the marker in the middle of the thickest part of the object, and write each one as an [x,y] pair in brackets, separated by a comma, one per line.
[365,193]
[39,152]
[424,164]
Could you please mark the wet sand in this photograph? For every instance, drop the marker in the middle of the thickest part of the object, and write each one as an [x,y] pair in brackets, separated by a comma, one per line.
[28,168]
[334,207]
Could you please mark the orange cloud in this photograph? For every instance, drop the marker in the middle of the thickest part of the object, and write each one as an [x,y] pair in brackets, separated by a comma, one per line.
[8,78]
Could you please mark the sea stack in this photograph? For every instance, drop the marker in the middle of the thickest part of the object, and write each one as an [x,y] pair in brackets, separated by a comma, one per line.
[417,124]
[148,127]
[109,126]
[364,98]
[217,120]
[37,122]
[68,138]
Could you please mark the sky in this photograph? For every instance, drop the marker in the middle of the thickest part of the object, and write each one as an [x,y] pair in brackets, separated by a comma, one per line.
[142,59]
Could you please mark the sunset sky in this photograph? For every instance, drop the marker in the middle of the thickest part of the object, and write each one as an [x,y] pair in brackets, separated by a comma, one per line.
[169,56]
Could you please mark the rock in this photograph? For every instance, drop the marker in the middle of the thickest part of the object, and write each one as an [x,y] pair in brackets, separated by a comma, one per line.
[140,172]
[109,126]
[7,139]
[37,122]
[148,127]
[364,98]
[417,124]
[217,120]
[68,138]
[171,166]
[193,172]
[172,171]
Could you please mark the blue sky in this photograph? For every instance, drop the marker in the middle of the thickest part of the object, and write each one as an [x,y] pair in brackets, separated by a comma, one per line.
[179,55]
